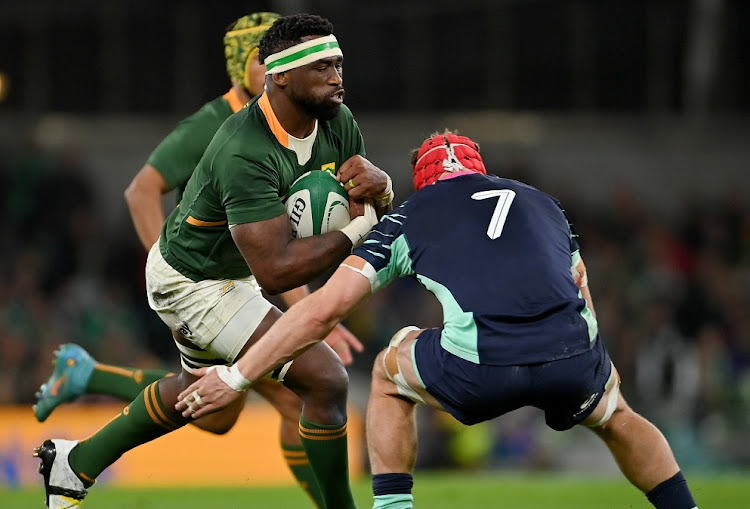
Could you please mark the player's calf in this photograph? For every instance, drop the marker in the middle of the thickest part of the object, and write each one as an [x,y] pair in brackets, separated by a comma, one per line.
[640,449]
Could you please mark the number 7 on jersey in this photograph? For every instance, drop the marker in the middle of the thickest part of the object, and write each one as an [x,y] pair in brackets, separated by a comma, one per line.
[505,198]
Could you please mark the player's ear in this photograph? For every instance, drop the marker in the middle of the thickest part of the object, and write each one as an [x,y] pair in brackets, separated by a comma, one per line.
[280,79]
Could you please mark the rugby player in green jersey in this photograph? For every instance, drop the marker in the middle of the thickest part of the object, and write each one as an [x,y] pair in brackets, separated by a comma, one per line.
[229,237]
[168,168]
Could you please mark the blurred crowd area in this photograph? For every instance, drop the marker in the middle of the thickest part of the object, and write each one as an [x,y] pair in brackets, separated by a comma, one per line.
[672,296]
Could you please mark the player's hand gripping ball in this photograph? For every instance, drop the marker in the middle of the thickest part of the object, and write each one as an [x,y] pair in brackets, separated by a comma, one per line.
[317,203]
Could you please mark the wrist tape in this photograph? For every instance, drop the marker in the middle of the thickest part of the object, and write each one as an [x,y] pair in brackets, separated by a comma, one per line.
[232,377]
[386,197]
[360,226]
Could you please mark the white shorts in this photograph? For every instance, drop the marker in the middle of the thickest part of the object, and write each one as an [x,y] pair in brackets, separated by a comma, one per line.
[217,316]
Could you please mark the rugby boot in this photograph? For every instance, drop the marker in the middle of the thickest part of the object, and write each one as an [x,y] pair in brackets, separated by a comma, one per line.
[73,368]
[62,486]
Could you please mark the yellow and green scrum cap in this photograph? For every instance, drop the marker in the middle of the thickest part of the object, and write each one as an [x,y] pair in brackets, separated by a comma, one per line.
[241,43]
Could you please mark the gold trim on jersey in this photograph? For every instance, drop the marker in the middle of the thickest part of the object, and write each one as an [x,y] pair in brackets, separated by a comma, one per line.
[199,222]
[273,122]
[234,100]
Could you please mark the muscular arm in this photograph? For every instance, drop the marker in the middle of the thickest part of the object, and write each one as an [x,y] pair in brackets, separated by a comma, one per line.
[307,322]
[340,339]
[281,263]
[292,297]
[143,197]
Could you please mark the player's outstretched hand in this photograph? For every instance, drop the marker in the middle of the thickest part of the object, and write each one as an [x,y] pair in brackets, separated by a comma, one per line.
[206,395]
[343,341]
[361,178]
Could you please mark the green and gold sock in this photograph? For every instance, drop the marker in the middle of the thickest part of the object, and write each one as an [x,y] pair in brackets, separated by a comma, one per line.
[143,420]
[296,458]
[122,383]
[326,447]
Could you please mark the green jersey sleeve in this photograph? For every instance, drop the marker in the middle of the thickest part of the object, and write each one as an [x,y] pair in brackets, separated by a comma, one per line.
[177,155]
[248,192]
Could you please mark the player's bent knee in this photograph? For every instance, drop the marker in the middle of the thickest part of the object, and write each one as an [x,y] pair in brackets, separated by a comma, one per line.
[218,423]
[332,380]
[611,401]
[388,370]
[401,335]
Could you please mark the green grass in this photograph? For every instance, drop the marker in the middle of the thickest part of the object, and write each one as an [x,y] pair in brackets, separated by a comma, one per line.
[432,491]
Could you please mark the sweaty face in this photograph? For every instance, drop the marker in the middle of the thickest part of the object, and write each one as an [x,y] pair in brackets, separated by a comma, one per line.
[318,87]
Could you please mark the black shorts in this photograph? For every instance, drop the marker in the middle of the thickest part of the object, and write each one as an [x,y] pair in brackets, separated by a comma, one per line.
[567,390]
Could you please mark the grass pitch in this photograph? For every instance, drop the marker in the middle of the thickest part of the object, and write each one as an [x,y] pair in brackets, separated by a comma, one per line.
[431,491]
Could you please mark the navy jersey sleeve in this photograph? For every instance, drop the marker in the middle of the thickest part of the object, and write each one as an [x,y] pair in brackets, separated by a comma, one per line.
[386,249]
[574,246]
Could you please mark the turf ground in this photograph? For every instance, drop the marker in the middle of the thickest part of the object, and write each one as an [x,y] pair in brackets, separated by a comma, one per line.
[432,491]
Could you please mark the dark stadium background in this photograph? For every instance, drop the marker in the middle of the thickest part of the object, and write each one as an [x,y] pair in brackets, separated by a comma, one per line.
[635,114]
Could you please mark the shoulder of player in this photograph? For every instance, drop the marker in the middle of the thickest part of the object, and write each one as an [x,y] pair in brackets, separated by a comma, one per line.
[206,119]
[518,186]
[243,136]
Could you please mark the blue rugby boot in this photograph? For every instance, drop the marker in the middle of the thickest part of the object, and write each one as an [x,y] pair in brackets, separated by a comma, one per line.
[64,489]
[73,368]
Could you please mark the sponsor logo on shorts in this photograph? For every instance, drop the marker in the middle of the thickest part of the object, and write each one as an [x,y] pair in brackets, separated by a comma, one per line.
[184,329]
[226,288]
[587,403]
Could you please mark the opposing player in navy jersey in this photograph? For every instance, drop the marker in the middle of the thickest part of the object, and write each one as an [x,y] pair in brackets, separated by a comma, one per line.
[519,326]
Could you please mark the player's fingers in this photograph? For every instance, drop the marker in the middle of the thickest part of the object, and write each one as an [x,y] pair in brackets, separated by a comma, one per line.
[202,411]
[357,188]
[185,398]
[351,183]
[349,168]
[183,395]
[354,342]
[202,371]
[344,353]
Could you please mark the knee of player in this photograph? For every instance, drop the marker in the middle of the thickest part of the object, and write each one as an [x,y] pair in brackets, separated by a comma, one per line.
[218,427]
[289,407]
[378,367]
[223,428]
[331,379]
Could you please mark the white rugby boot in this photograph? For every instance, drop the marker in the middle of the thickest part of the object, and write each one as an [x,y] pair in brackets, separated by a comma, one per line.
[63,487]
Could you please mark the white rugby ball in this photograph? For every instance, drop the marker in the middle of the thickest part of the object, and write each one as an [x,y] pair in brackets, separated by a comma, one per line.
[317,203]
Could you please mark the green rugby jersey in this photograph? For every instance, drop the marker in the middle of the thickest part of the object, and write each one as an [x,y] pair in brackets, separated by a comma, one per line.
[177,155]
[245,172]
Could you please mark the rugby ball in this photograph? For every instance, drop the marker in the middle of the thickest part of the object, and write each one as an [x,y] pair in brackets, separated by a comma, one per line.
[317,203]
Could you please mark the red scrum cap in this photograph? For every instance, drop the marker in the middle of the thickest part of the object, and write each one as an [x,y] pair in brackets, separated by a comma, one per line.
[445,153]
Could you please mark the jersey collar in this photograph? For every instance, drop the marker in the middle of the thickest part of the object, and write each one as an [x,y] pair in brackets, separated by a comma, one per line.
[234,100]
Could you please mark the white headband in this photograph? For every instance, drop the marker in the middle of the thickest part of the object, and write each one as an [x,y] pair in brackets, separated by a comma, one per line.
[302,54]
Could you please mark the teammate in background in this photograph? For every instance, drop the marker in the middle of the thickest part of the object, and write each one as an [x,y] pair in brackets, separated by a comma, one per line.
[168,168]
[230,234]
[519,326]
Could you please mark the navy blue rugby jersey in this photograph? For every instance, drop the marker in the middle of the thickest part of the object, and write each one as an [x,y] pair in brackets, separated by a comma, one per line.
[497,254]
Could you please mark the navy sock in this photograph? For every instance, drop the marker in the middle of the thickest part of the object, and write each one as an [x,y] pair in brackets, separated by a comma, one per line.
[672,494]
[391,484]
